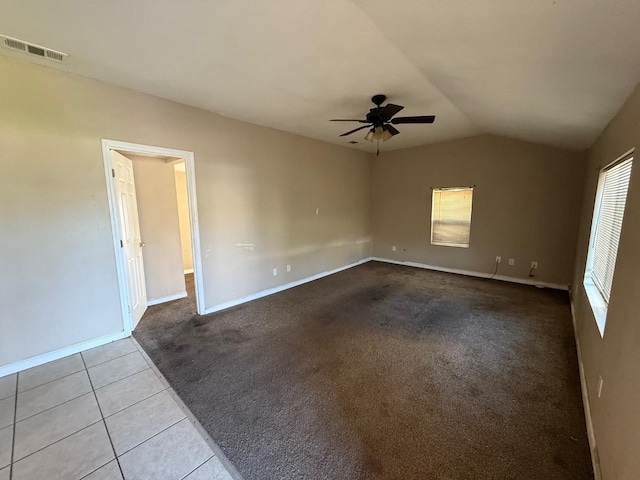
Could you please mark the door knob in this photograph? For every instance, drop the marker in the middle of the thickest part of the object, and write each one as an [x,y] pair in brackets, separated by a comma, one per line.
[142,244]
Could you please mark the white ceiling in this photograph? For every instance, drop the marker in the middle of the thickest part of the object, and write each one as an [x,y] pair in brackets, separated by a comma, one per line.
[551,72]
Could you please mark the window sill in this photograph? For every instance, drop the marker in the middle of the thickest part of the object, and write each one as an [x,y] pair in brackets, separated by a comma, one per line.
[444,244]
[598,305]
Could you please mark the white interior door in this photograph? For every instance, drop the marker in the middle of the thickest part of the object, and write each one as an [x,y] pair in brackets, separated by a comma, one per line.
[131,242]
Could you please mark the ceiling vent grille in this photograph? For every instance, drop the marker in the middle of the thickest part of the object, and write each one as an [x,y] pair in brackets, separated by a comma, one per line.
[57,56]
[15,44]
[37,50]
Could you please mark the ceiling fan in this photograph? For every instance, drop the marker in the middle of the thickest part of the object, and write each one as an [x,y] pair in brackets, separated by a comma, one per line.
[380,120]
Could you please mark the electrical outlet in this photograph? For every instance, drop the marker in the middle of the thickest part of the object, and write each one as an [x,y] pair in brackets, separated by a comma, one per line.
[600,383]
[534,265]
[275,272]
[288,268]
[512,262]
[393,249]
[498,259]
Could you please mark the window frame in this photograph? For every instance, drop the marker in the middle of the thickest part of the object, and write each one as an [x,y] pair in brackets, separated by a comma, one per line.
[599,304]
[444,189]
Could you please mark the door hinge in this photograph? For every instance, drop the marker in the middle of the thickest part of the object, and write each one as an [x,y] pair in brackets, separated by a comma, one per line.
[113,173]
[129,308]
[121,244]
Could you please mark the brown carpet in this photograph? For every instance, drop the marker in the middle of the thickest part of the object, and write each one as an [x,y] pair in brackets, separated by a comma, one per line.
[383,372]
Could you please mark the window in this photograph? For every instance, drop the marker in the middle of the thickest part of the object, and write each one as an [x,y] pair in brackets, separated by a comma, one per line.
[451,216]
[606,225]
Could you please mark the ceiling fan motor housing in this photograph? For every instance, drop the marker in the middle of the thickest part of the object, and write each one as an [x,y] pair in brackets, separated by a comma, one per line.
[375,118]
[378,99]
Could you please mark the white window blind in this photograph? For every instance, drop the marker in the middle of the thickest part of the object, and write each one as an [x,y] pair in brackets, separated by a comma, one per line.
[614,183]
[451,216]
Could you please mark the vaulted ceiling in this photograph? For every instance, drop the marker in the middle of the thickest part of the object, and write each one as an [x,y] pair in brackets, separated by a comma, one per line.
[547,71]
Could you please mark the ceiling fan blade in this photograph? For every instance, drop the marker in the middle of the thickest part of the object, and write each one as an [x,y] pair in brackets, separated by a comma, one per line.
[419,119]
[389,110]
[354,130]
[348,120]
[392,130]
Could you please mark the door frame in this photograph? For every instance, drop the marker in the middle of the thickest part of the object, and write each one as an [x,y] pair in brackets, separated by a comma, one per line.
[135,148]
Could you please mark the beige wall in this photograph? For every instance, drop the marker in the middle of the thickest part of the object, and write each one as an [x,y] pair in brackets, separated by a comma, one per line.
[255,185]
[159,227]
[616,356]
[526,205]
[183,218]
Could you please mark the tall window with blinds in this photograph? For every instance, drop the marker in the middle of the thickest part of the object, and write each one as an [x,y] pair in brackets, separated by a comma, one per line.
[605,232]
[451,216]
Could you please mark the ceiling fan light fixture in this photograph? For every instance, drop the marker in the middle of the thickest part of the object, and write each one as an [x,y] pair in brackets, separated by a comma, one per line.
[378,133]
[369,137]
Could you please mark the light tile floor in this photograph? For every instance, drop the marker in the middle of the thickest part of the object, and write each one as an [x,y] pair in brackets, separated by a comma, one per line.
[103,414]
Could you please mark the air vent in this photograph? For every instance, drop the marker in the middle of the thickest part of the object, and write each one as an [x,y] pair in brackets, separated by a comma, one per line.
[57,56]
[15,44]
[37,50]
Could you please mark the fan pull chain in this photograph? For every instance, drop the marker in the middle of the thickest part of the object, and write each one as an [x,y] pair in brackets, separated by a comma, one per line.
[377,148]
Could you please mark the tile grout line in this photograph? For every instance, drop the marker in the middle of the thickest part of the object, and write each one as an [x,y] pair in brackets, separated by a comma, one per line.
[51,408]
[110,360]
[13,439]
[94,471]
[212,456]
[57,441]
[8,396]
[115,381]
[126,376]
[152,365]
[152,436]
[101,415]
[114,358]
[138,402]
[50,381]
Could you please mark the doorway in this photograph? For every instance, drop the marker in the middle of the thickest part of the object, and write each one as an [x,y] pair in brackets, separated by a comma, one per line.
[131,248]
[180,178]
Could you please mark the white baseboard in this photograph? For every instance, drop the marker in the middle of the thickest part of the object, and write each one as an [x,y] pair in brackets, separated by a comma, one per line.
[60,353]
[280,288]
[504,278]
[188,270]
[169,298]
[595,460]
